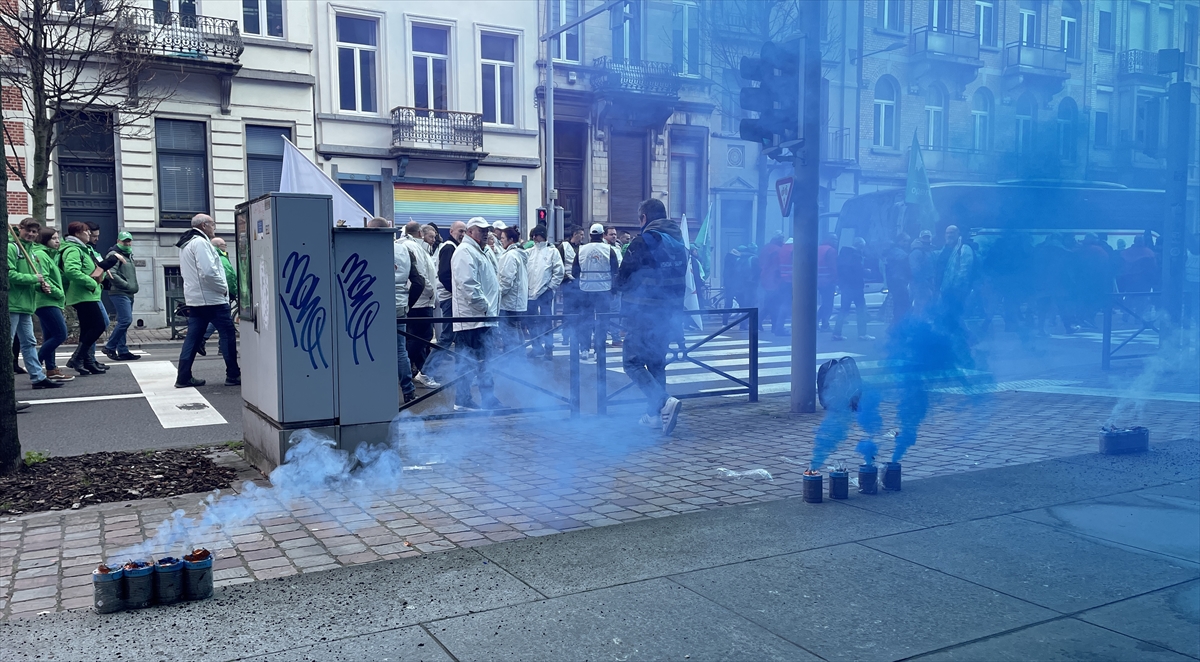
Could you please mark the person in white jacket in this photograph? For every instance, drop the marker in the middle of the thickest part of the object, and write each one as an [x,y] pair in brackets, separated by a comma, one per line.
[545,272]
[206,294]
[514,286]
[476,293]
[418,347]
[409,284]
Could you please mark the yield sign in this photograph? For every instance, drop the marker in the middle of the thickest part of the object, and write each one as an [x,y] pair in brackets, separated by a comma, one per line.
[783,189]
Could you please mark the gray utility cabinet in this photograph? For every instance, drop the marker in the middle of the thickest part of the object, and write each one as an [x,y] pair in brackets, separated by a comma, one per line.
[317,308]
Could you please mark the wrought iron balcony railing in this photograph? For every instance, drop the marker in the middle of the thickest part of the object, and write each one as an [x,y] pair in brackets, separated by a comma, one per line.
[445,128]
[937,41]
[177,34]
[657,78]
[1035,56]
[1135,62]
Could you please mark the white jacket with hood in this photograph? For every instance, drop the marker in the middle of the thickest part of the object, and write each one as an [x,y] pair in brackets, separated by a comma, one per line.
[203,274]
[514,280]
[545,267]
[419,251]
[476,285]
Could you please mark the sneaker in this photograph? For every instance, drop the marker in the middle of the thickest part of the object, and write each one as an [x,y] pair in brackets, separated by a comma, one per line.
[18,370]
[670,415]
[233,381]
[470,405]
[866,338]
[409,397]
[422,379]
[650,421]
[493,403]
[46,382]
[837,336]
[59,376]
[189,383]
[201,351]
[127,356]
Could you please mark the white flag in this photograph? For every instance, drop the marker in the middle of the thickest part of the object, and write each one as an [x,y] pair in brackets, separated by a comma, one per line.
[303,176]
[690,300]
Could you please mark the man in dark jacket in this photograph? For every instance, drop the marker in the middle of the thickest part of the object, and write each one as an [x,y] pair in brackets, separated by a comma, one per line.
[441,362]
[651,283]
[124,286]
[898,273]
[851,283]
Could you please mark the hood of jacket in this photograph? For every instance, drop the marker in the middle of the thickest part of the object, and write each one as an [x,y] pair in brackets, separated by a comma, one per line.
[188,236]
[665,226]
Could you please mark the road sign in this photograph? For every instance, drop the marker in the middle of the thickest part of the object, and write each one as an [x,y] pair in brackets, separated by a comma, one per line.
[783,189]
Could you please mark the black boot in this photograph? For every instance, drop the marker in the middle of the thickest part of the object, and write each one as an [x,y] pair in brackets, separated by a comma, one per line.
[76,364]
[90,365]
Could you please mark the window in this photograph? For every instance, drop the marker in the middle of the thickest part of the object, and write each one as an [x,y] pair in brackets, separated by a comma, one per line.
[566,46]
[431,67]
[685,39]
[262,17]
[981,120]
[499,52]
[264,158]
[1164,30]
[1028,22]
[1103,112]
[1067,110]
[891,14]
[687,175]
[1105,25]
[1146,128]
[1139,27]
[1026,117]
[627,34]
[985,23]
[939,18]
[363,194]
[172,12]
[935,116]
[1069,24]
[356,48]
[1191,35]
[90,7]
[885,113]
[182,169]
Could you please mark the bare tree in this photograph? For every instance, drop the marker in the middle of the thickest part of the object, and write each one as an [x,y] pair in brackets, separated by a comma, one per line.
[66,60]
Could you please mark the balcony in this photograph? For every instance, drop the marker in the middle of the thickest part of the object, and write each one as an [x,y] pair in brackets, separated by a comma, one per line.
[948,55]
[1140,67]
[838,147]
[967,164]
[200,39]
[444,135]
[635,95]
[1036,65]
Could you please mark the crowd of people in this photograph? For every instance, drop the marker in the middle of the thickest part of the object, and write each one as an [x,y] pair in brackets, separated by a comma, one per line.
[498,294]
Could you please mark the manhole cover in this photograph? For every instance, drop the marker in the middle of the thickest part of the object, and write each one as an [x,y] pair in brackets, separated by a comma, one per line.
[193,406]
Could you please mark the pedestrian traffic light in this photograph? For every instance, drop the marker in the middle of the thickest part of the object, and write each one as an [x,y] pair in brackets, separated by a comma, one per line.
[542,216]
[776,98]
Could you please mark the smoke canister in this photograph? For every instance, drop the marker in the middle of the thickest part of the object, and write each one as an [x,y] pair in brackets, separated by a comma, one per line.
[197,575]
[168,580]
[139,584]
[814,484]
[891,476]
[868,479]
[839,484]
[106,589]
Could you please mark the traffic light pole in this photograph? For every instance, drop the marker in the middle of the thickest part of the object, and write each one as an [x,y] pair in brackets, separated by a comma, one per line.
[804,220]
[1179,140]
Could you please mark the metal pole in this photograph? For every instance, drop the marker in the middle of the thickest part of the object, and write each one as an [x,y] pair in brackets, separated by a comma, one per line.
[600,341]
[575,384]
[1174,252]
[1106,345]
[804,220]
[753,339]
[549,193]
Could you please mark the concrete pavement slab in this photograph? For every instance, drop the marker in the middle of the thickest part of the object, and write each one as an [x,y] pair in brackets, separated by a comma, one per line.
[556,565]
[1168,461]
[651,620]
[266,616]
[853,603]
[1036,562]
[1148,520]
[958,497]
[1062,640]
[410,644]
[1169,618]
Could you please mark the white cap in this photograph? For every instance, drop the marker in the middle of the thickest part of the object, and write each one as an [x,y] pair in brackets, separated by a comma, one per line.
[499,225]
[478,222]
[597,228]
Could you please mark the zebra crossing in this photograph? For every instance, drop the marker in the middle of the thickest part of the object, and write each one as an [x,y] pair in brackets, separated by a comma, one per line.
[732,356]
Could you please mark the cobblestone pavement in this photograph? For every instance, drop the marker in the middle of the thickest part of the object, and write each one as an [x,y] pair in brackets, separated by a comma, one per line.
[538,475]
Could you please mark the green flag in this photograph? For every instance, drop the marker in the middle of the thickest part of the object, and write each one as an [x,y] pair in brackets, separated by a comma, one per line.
[703,243]
[917,196]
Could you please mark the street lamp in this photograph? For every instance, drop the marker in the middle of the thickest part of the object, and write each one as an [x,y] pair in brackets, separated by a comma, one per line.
[897,45]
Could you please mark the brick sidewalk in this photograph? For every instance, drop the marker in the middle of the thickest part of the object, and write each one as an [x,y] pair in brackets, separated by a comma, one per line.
[535,475]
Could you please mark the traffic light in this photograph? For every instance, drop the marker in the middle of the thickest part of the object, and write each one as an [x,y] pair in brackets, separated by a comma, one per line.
[776,98]
[542,216]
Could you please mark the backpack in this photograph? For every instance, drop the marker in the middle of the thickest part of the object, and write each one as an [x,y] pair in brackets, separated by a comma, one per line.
[839,385]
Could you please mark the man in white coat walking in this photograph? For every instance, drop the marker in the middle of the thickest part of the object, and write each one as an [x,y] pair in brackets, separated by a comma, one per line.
[476,293]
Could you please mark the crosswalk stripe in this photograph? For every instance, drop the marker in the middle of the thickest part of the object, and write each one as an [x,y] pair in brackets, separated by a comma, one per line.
[174,407]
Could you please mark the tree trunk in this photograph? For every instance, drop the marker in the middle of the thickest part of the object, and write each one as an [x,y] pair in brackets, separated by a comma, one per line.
[10,441]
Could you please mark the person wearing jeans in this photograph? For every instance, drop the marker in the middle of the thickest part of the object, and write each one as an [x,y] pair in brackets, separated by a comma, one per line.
[206,294]
[25,284]
[124,286]
[81,282]
[50,305]
[199,317]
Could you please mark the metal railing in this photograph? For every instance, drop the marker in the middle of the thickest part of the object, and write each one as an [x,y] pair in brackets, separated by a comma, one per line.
[1035,56]
[1125,301]
[838,146]
[939,41]
[146,30]
[1137,62]
[658,78]
[422,126]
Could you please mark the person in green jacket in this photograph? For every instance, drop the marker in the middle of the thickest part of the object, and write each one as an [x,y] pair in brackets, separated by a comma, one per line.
[50,304]
[25,281]
[124,285]
[230,280]
[81,278]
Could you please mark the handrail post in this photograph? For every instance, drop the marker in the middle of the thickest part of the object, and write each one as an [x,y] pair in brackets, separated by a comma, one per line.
[753,312]
[601,341]
[575,386]
[1106,345]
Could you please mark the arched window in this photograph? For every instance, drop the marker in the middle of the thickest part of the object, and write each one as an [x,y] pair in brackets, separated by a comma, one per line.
[886,96]
[1069,22]
[1026,117]
[981,120]
[1067,113]
[935,116]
